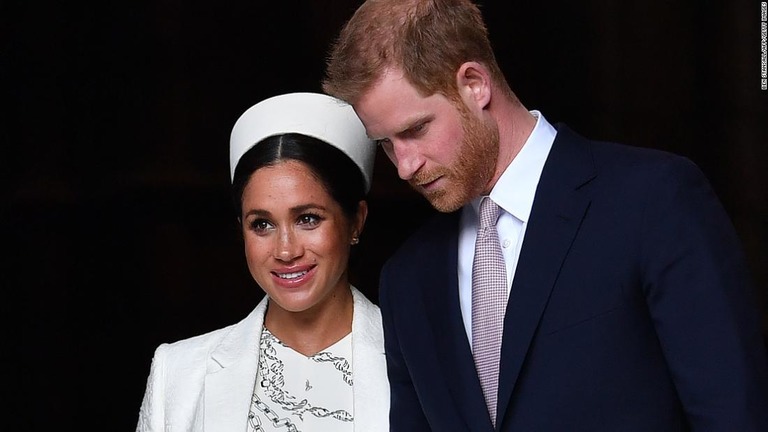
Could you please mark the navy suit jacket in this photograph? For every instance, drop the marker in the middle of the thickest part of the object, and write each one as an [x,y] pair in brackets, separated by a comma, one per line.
[631,309]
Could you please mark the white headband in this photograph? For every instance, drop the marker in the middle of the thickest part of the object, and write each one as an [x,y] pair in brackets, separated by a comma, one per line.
[317,115]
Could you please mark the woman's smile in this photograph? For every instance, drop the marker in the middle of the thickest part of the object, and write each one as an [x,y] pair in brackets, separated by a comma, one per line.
[294,277]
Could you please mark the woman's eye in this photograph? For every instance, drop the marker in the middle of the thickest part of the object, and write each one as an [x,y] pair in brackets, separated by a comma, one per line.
[260,225]
[309,220]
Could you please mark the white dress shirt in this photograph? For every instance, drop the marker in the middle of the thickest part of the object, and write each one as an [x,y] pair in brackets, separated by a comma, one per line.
[514,193]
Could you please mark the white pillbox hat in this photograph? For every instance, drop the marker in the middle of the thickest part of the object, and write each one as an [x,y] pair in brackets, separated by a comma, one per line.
[317,115]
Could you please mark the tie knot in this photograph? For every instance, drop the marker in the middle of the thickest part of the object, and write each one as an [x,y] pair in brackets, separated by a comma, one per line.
[489,212]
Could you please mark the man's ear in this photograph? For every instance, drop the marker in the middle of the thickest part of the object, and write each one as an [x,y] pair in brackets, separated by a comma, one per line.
[474,83]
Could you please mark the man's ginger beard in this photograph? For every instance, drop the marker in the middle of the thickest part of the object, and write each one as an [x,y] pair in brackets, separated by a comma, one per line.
[471,173]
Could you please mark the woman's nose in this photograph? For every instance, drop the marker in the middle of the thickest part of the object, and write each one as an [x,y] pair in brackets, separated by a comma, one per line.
[287,246]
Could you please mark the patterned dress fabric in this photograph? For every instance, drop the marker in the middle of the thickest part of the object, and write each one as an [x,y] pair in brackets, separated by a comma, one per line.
[296,393]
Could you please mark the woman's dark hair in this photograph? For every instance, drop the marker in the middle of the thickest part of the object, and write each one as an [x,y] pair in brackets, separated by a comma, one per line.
[340,176]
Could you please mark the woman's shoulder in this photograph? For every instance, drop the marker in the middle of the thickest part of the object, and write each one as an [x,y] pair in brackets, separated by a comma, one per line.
[194,346]
[199,347]
[363,303]
[366,321]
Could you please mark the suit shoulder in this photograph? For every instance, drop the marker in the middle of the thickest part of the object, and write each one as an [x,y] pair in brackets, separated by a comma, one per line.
[620,160]
[436,232]
[622,153]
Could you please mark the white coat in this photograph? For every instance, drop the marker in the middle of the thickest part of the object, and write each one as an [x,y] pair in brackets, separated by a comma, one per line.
[205,383]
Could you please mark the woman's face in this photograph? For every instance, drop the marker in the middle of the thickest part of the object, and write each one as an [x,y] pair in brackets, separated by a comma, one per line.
[297,238]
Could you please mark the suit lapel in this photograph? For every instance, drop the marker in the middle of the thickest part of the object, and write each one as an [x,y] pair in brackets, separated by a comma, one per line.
[231,374]
[558,209]
[441,303]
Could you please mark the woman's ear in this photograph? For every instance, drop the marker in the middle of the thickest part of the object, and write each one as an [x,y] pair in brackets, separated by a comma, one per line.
[474,84]
[359,222]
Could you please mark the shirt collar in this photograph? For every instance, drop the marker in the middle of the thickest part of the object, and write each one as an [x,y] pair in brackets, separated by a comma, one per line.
[516,188]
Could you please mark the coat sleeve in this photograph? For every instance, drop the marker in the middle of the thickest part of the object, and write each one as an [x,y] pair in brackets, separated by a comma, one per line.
[702,303]
[152,411]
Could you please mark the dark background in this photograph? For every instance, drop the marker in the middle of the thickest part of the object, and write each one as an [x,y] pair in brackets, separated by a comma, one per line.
[117,230]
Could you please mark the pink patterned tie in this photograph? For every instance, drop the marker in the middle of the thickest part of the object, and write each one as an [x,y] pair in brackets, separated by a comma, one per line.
[489,299]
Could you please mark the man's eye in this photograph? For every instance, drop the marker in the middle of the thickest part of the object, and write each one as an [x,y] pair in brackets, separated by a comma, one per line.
[415,131]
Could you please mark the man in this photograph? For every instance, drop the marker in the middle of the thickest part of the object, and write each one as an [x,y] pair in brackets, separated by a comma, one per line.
[625,302]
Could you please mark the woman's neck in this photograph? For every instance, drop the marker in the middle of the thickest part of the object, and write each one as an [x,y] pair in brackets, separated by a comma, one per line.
[315,329]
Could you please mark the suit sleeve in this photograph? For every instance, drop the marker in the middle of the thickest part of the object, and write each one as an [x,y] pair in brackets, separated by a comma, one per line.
[702,302]
[405,414]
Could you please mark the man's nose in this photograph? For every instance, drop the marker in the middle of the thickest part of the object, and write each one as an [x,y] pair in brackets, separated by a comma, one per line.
[406,158]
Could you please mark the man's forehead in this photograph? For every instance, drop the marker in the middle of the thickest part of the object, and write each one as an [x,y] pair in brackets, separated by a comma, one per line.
[392,105]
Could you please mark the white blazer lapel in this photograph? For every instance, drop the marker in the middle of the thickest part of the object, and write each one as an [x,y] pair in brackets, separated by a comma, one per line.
[371,387]
[231,374]
[233,365]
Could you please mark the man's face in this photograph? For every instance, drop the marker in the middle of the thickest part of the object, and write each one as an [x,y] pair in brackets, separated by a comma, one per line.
[439,147]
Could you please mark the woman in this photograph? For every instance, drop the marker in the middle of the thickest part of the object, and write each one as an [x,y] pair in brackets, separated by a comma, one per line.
[310,357]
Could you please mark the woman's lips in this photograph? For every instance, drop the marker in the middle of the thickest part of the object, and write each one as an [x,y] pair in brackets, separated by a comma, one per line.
[293,277]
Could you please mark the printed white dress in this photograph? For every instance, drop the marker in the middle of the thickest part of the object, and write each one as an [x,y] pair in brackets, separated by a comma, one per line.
[296,393]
